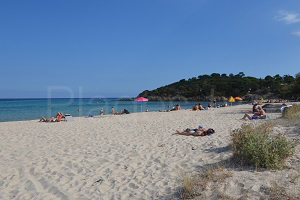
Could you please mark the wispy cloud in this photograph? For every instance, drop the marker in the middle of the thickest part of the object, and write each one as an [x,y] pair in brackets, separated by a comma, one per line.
[288,17]
[297,33]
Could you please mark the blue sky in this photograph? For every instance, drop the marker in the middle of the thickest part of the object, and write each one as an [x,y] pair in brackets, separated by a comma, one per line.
[120,48]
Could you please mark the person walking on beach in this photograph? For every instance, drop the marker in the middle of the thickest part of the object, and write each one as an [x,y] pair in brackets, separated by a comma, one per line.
[112,110]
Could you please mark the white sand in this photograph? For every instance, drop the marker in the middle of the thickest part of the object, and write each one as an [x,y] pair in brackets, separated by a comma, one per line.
[113,157]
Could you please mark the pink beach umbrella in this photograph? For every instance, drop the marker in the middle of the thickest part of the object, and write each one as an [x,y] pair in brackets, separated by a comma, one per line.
[141,99]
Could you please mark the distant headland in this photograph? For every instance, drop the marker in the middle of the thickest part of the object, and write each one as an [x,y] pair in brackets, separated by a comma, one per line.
[222,86]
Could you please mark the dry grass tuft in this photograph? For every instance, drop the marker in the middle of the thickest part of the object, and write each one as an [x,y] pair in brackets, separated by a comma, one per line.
[193,185]
[291,115]
[278,192]
[292,112]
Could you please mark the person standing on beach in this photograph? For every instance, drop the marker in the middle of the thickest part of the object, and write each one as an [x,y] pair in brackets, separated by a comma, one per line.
[215,103]
[102,111]
[112,110]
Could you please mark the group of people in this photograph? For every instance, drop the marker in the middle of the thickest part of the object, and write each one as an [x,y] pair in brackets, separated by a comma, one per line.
[125,111]
[59,117]
[209,106]
[258,113]
[198,107]
[174,108]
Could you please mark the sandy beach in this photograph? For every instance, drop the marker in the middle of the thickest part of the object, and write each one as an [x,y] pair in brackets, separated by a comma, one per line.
[132,156]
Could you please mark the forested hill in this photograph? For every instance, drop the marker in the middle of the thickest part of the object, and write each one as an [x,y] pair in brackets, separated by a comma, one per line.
[222,86]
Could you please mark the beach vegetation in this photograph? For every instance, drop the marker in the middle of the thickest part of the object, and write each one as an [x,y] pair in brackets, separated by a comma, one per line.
[255,145]
[279,192]
[223,85]
[209,178]
[292,112]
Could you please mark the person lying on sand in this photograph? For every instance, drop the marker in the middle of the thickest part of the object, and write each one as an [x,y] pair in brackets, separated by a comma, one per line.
[176,107]
[261,114]
[43,119]
[126,111]
[201,131]
[58,118]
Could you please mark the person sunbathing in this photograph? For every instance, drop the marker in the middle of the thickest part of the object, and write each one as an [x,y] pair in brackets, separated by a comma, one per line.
[43,119]
[200,107]
[196,132]
[255,109]
[261,114]
[126,111]
[195,108]
[59,116]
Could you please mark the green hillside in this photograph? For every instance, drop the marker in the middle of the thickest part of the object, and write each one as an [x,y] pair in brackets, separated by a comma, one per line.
[222,86]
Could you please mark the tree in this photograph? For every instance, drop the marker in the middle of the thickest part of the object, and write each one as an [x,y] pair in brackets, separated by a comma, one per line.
[215,75]
[288,79]
[240,75]
[205,76]
[192,79]
[296,87]
[224,75]
[269,78]
[278,78]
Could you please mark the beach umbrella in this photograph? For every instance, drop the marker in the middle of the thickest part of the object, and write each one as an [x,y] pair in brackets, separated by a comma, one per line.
[141,99]
[231,99]
[238,98]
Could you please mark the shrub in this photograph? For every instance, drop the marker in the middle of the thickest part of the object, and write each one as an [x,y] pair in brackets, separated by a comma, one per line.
[292,112]
[255,146]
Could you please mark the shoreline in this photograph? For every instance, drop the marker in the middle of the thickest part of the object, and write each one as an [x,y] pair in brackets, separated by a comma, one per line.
[97,116]
[21,110]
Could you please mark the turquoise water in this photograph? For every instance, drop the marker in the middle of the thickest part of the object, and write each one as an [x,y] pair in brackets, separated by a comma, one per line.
[31,109]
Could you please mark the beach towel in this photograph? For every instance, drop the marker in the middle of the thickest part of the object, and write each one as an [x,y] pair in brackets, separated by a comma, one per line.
[267,118]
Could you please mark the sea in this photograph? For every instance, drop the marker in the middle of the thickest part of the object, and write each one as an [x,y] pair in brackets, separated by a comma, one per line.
[33,109]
